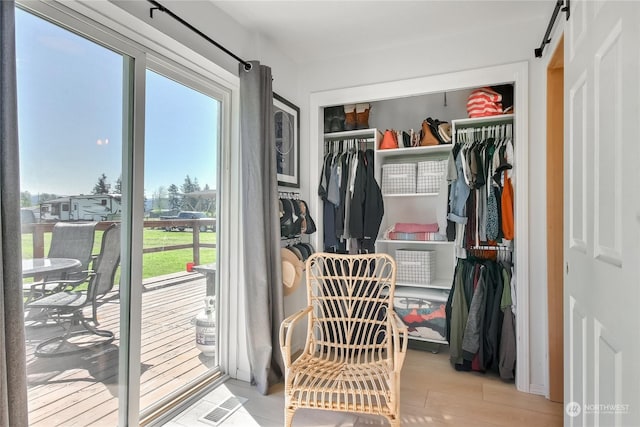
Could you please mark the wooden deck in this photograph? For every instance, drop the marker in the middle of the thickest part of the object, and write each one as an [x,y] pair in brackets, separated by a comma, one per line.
[82,389]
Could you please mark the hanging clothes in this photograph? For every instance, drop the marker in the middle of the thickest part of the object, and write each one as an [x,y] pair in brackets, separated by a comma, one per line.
[352,201]
[479,335]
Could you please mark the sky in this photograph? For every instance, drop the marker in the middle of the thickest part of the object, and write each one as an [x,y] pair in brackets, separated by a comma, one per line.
[70,106]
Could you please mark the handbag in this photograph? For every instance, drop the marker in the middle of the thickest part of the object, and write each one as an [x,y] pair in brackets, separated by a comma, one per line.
[389,140]
[426,135]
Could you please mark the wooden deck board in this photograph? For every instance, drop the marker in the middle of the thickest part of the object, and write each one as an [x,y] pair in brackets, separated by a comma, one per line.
[82,389]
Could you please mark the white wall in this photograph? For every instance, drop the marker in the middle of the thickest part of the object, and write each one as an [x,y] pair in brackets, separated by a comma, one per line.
[458,51]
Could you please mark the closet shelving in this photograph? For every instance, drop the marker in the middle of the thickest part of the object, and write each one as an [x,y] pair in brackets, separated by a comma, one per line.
[371,133]
[403,104]
[416,208]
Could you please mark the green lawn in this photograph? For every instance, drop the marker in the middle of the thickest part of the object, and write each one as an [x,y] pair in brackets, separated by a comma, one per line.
[156,263]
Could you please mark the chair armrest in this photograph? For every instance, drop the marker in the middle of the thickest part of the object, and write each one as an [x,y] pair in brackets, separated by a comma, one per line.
[286,328]
[398,328]
[63,285]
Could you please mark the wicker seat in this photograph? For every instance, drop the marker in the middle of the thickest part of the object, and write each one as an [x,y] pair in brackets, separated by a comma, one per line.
[356,344]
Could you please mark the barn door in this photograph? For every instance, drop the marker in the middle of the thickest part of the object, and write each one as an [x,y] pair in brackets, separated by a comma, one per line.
[602,214]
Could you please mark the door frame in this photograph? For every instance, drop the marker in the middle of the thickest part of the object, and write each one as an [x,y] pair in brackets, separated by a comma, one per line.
[555,215]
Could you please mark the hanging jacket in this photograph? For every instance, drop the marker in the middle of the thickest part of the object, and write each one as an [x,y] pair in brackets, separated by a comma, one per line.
[457,313]
[356,215]
[374,204]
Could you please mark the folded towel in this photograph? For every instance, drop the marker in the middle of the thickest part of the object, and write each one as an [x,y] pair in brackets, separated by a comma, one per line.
[405,227]
[422,236]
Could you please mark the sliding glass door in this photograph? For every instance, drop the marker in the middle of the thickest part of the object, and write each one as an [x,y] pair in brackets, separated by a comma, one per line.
[71,102]
[114,141]
[179,338]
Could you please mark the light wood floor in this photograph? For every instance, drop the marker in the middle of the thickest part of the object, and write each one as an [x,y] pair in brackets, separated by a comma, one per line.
[433,394]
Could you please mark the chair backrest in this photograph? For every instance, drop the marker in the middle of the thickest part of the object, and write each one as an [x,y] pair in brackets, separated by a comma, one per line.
[106,265]
[352,296]
[72,240]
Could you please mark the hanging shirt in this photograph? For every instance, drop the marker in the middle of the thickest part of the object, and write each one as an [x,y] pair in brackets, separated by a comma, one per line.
[442,201]
[333,192]
[459,193]
[507,208]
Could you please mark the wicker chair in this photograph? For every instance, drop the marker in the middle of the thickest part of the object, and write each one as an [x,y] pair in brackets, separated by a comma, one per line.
[355,345]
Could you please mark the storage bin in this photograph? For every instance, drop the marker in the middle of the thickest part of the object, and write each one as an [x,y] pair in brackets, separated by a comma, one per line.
[422,311]
[415,266]
[399,178]
[430,175]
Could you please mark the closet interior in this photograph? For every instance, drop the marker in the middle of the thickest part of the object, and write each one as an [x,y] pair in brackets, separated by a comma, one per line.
[441,204]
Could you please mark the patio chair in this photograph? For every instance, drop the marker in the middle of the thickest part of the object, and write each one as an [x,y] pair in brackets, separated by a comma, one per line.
[68,240]
[73,305]
[355,345]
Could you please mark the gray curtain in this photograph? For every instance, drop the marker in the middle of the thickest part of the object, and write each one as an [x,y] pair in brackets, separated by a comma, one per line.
[13,378]
[261,226]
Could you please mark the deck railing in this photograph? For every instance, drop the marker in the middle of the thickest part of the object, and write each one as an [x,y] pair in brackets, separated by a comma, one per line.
[38,231]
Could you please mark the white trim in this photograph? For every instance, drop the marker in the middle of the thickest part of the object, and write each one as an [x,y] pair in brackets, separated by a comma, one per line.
[131,333]
[514,72]
[539,389]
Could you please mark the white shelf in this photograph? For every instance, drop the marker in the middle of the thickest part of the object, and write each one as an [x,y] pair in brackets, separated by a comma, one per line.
[470,122]
[440,284]
[359,133]
[415,242]
[410,195]
[411,337]
[414,151]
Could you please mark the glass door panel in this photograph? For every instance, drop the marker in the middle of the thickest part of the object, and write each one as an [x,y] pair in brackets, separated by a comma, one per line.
[180,236]
[71,104]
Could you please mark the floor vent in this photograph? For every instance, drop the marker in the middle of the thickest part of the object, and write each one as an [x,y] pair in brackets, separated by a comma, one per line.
[221,412]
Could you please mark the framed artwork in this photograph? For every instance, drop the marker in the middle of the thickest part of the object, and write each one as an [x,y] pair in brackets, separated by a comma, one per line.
[286,118]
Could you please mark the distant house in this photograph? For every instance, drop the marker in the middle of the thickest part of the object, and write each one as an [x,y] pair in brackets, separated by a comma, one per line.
[93,207]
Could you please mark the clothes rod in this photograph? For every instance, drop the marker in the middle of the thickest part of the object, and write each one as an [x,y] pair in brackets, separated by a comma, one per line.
[490,248]
[161,8]
[546,40]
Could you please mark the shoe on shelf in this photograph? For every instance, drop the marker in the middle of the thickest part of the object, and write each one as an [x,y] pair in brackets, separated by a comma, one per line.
[362,116]
[350,117]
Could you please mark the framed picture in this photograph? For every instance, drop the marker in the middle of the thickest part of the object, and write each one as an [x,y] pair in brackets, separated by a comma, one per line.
[286,118]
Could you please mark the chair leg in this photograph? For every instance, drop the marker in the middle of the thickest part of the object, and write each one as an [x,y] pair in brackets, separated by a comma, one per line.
[288,416]
[395,422]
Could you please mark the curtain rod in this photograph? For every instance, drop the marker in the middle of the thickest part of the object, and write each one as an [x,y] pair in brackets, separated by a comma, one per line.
[546,40]
[161,8]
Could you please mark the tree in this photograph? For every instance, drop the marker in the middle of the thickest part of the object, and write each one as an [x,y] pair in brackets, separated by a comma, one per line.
[101,186]
[118,186]
[175,200]
[189,186]
[25,199]
[158,199]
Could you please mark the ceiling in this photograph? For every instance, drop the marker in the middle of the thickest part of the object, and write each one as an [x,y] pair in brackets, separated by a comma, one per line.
[311,30]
